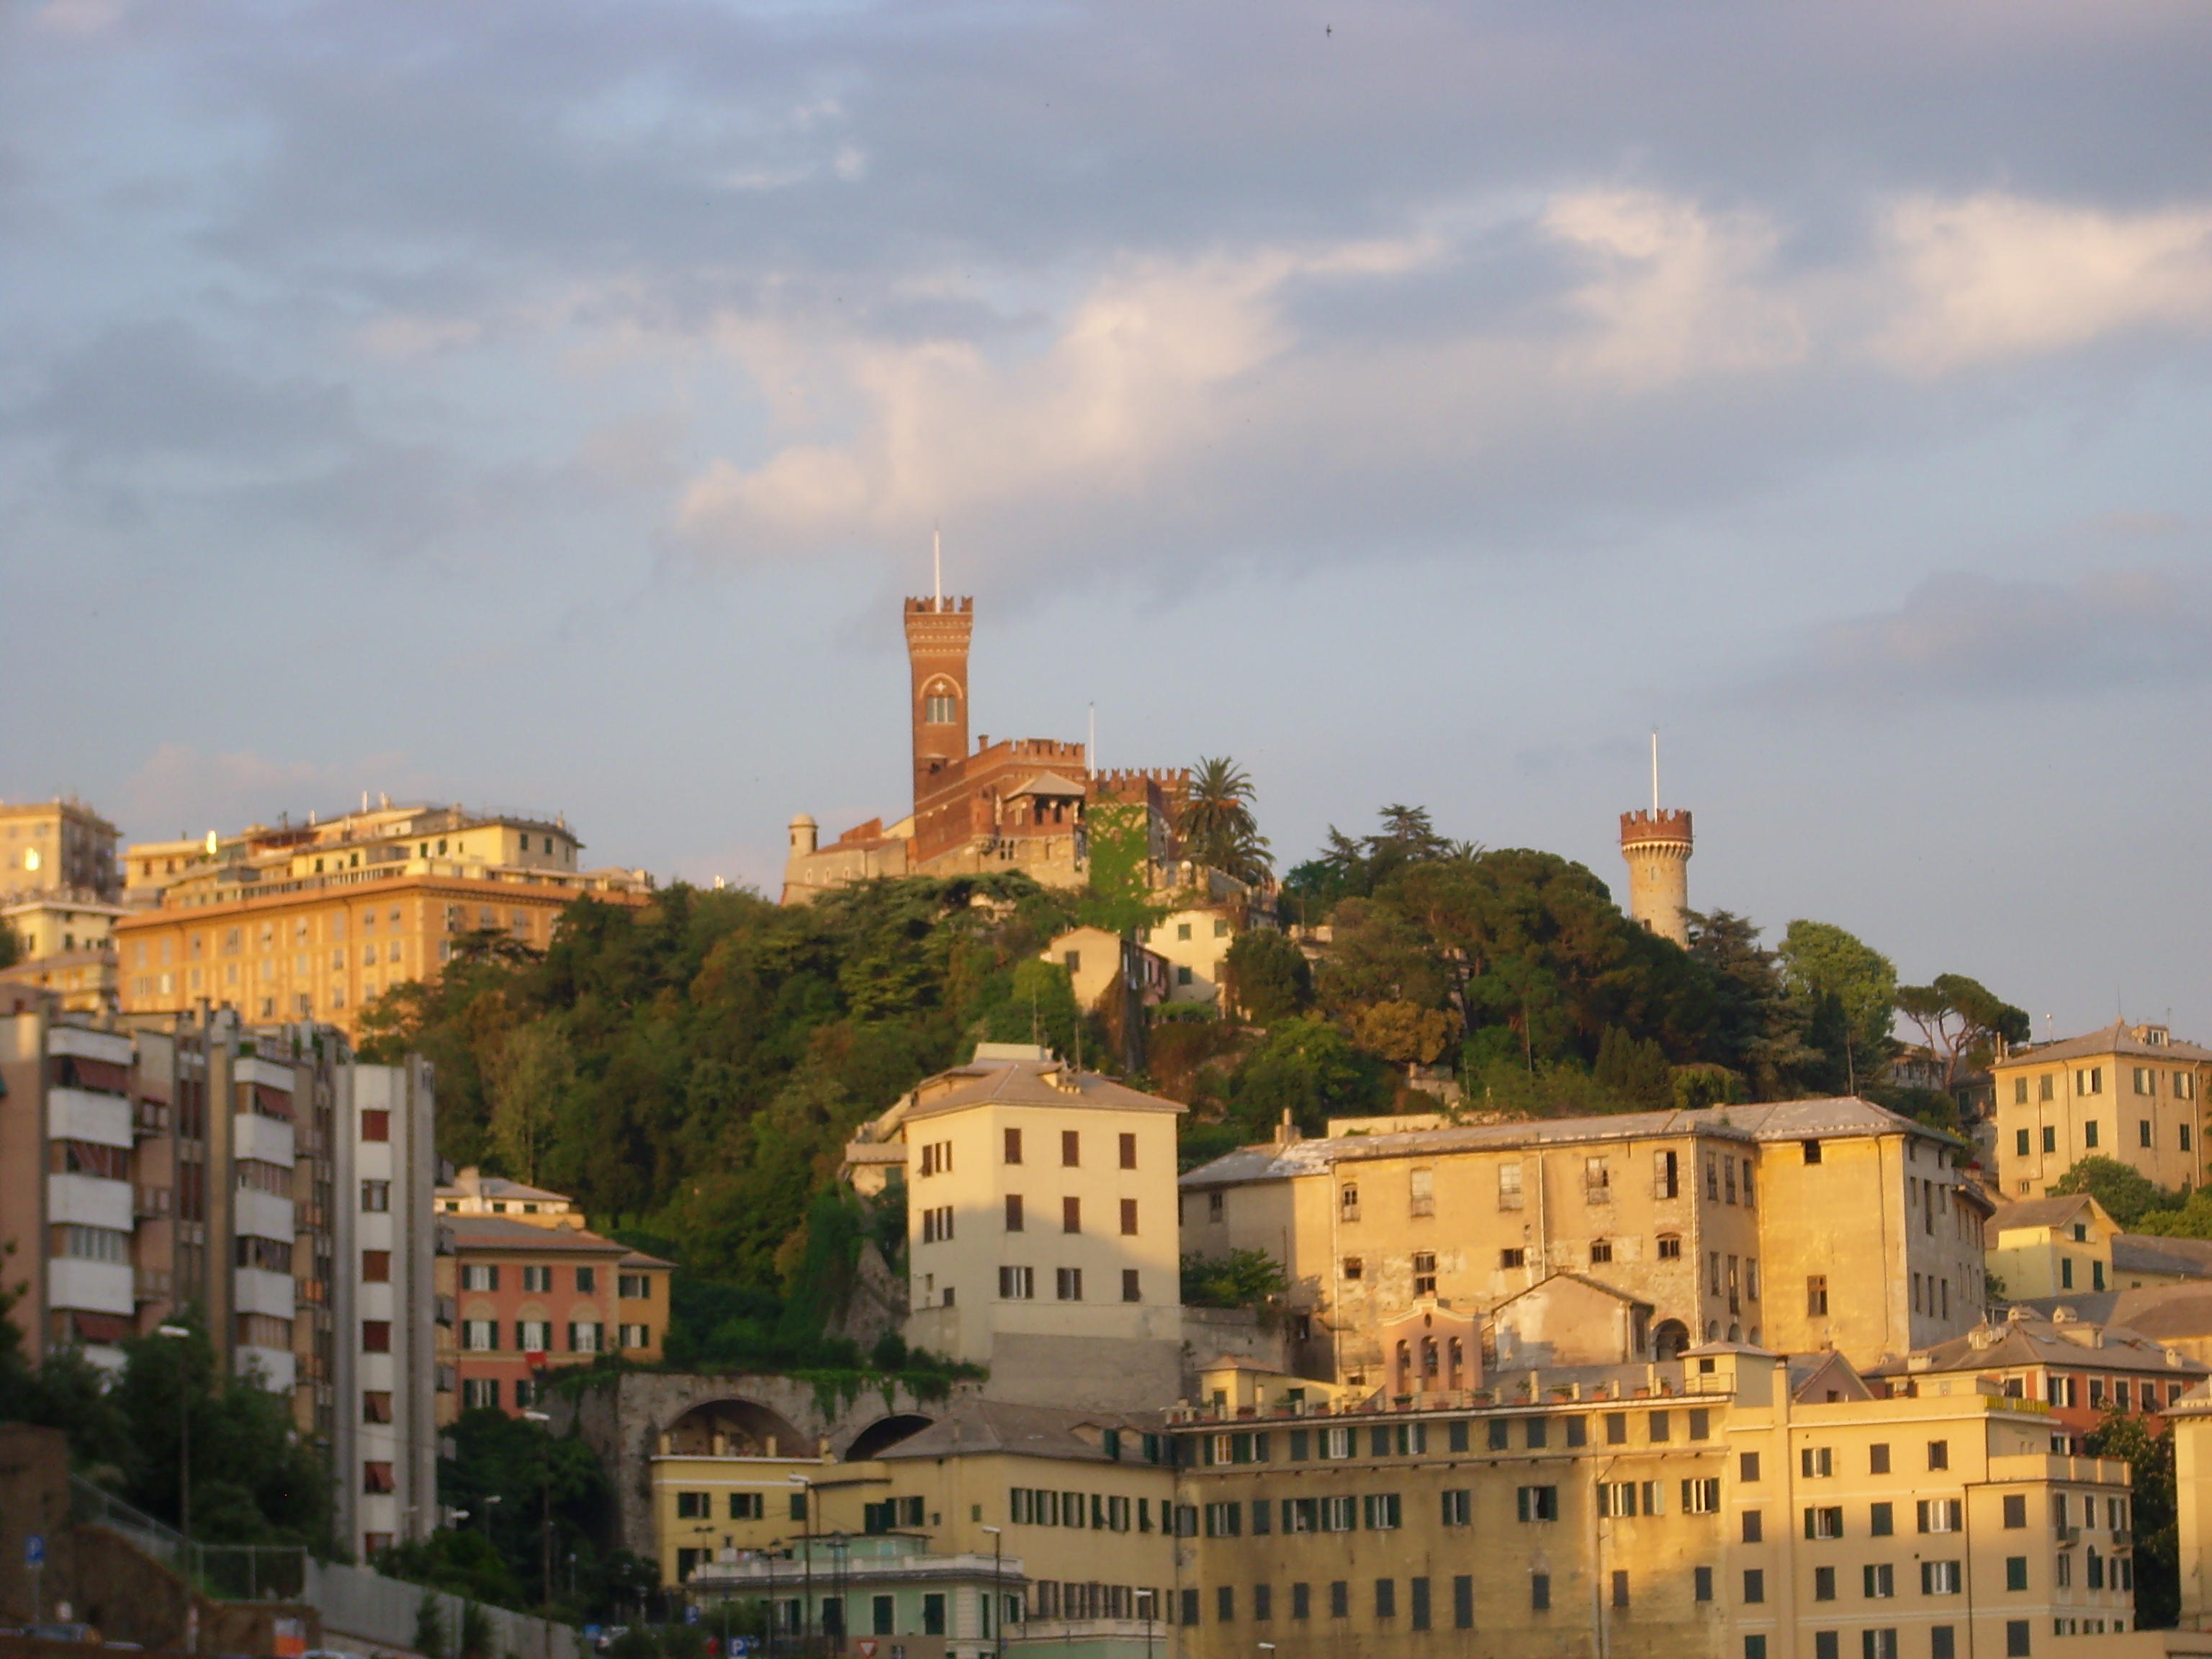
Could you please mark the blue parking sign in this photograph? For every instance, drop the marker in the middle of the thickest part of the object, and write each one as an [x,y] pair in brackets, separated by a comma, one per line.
[34,1550]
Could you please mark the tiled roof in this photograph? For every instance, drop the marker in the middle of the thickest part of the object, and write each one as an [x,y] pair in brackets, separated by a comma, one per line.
[2039,1212]
[990,1425]
[2145,1252]
[2117,1038]
[1023,1083]
[1787,1119]
[495,1232]
[2028,1342]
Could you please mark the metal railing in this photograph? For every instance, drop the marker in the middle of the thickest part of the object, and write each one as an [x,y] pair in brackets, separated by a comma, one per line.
[228,1572]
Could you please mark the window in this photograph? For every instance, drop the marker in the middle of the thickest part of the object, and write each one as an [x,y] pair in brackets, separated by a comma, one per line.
[1938,1514]
[538,1280]
[636,1336]
[1616,1428]
[1666,1175]
[1877,1645]
[1386,1598]
[2049,1138]
[376,1266]
[1016,1283]
[479,1391]
[1670,1247]
[940,708]
[1013,1212]
[2142,1132]
[1509,1185]
[1424,1273]
[1508,1260]
[2089,1132]
[1943,1641]
[1071,1215]
[1816,1296]
[1939,1577]
[2089,1080]
[1070,1148]
[1619,1588]
[1302,1600]
[376,1126]
[1068,1284]
[634,1287]
[1817,1462]
[2019,1139]
[533,1335]
[1132,1287]
[2015,1510]
[1601,1251]
[1421,1187]
[587,1280]
[1882,1520]
[1812,1151]
[1755,1527]
[1824,1584]
[1419,1589]
[1353,1267]
[1379,1512]
[1536,1503]
[1939,1454]
[1540,1591]
[1878,1581]
[376,1336]
[1755,1585]
[1824,1523]
[1458,1508]
[1340,1599]
[1463,1601]
[1701,1496]
[1597,1181]
[377,1477]
[1128,1151]
[376,1197]
[480,1335]
[1128,1218]
[1747,1467]
[1878,1460]
[2016,1638]
[1216,1205]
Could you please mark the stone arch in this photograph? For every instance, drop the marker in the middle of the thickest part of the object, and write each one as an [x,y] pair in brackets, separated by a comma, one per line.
[1668,1339]
[884,1433]
[735,1427]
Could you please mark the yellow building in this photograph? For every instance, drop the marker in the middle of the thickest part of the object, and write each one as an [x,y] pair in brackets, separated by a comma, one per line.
[59,844]
[1041,1205]
[65,942]
[474,1192]
[2051,1246]
[2129,1092]
[1800,1226]
[1735,1504]
[319,920]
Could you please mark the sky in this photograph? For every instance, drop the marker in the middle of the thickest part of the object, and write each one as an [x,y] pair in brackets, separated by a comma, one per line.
[546,405]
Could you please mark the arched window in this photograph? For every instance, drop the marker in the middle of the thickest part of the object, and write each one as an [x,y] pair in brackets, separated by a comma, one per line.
[1669,1339]
[940,708]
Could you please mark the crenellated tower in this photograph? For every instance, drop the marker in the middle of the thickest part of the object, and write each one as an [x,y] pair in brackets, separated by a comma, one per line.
[937,630]
[1657,845]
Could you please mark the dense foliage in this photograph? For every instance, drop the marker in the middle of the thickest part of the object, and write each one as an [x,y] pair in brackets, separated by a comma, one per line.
[2148,1453]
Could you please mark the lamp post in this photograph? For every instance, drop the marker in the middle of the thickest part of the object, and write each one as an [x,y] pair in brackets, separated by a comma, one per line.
[184,1443]
[998,1593]
[545,1504]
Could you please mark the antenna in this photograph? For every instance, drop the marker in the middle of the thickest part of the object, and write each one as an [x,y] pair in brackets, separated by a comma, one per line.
[1091,748]
[1654,772]
[936,567]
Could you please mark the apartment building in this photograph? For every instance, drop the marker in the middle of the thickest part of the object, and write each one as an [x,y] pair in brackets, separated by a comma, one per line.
[257,1181]
[1800,1226]
[473,1193]
[1075,1506]
[1041,1238]
[59,844]
[532,1295]
[315,921]
[2128,1092]
[1732,1503]
[2050,1246]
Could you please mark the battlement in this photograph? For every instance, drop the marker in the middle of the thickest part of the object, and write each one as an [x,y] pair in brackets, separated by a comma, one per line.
[948,605]
[1173,777]
[1029,748]
[1642,828]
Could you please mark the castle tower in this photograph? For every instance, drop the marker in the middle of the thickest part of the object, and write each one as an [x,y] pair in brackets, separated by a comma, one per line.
[937,635]
[1657,845]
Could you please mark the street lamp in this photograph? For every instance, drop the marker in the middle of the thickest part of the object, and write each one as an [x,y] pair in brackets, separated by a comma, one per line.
[806,1560]
[545,1506]
[998,1593]
[184,1443]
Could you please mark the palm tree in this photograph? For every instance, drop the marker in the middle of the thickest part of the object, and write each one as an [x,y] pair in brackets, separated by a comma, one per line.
[1217,826]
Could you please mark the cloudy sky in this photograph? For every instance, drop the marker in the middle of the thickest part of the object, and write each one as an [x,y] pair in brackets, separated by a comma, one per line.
[545,405]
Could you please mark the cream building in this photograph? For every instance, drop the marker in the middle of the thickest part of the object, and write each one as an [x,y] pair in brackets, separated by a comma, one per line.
[1195,942]
[316,920]
[64,937]
[473,1193]
[1733,1503]
[1800,1226]
[59,844]
[2051,1246]
[1042,1239]
[2129,1092]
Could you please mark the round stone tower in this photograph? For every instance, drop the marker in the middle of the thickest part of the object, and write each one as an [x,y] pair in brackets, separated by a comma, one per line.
[1657,845]
[805,835]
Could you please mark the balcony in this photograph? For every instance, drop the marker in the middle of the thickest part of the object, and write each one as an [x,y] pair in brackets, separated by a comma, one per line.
[267,1140]
[82,1114]
[152,1284]
[89,1202]
[149,1203]
[2069,1537]
[149,1117]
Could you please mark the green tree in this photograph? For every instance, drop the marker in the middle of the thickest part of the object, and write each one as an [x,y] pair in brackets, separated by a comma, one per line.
[1849,989]
[2149,1457]
[1962,1022]
[1216,826]
[1634,1069]
[1309,1068]
[1755,1028]
[1268,976]
[1119,839]
[1243,1279]
[2128,1195]
[11,946]
[526,1079]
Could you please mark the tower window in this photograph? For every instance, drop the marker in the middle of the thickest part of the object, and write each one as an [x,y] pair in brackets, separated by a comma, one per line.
[939,708]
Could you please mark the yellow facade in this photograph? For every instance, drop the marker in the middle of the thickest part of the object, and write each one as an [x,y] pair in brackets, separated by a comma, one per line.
[1796,1226]
[1661,1511]
[2052,1247]
[2130,1093]
[60,845]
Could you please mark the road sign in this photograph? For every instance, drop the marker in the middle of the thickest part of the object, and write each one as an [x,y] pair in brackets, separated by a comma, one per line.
[591,1633]
[692,1614]
[34,1550]
[867,1648]
[740,1646]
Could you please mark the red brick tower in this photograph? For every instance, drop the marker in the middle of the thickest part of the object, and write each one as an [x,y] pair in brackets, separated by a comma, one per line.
[937,635]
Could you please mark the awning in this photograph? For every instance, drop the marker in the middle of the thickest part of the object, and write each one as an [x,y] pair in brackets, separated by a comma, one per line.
[101,1074]
[102,1327]
[274,1102]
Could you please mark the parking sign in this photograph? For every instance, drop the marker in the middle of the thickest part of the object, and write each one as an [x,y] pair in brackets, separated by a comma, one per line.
[34,1550]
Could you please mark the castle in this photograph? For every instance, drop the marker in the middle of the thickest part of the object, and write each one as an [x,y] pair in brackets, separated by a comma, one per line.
[1020,804]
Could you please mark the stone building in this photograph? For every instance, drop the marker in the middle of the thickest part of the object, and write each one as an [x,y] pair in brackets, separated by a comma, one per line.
[2129,1092]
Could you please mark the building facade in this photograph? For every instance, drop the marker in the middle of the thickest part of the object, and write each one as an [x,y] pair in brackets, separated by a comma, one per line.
[59,845]
[1041,1237]
[1726,1505]
[1700,1215]
[2128,1092]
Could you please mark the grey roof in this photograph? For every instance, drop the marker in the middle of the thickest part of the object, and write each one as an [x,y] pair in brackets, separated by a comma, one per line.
[496,1232]
[1785,1120]
[2031,1341]
[1049,784]
[1023,1083]
[2145,1252]
[2039,1211]
[2117,1038]
[972,1425]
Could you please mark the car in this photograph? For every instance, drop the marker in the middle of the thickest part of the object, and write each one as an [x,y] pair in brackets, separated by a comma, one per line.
[85,1635]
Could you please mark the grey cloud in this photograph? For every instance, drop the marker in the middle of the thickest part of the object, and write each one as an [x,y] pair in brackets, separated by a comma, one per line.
[1982,637]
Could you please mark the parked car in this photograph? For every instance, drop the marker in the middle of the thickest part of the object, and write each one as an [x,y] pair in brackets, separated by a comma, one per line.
[85,1634]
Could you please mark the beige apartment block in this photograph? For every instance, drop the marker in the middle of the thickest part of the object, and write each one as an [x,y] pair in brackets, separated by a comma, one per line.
[59,844]
[1042,1240]
[2129,1092]
[64,937]
[1800,1226]
[2051,1246]
[1731,1504]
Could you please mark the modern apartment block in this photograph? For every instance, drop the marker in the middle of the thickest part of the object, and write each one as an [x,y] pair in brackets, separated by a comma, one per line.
[65,940]
[1041,1227]
[314,921]
[57,844]
[2129,1092]
[1795,1226]
[259,1180]
[1731,1504]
